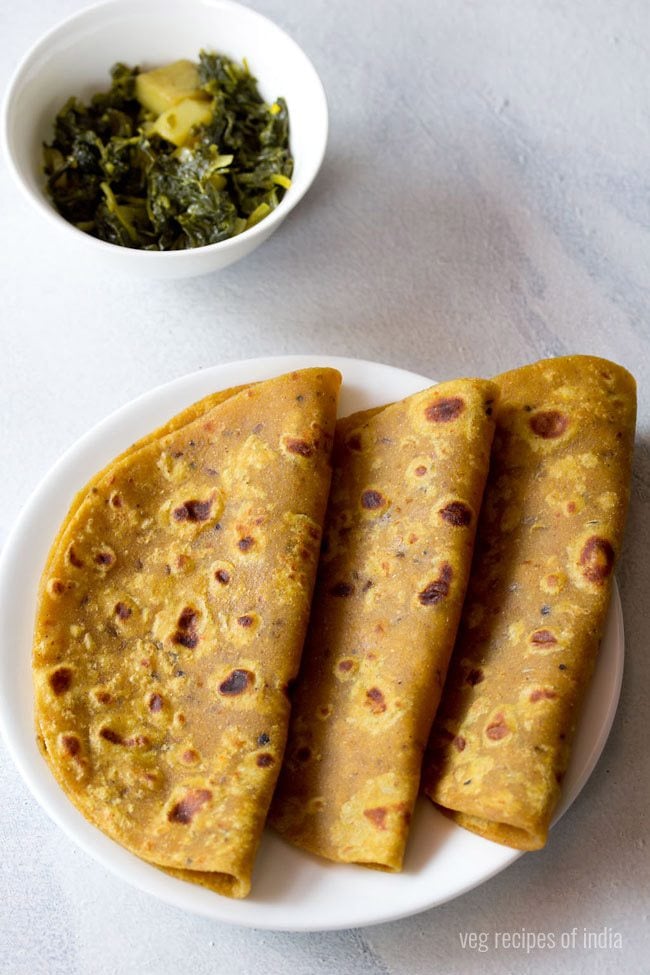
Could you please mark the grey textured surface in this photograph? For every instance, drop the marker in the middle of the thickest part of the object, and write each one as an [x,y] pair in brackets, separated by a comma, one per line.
[485,201]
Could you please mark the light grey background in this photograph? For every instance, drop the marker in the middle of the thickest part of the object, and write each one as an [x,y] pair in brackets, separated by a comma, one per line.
[485,201]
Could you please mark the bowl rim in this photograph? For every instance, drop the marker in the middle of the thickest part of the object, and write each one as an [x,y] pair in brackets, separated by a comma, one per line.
[177,257]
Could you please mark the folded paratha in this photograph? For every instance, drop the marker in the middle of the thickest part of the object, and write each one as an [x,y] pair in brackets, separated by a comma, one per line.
[548,538]
[406,492]
[172,613]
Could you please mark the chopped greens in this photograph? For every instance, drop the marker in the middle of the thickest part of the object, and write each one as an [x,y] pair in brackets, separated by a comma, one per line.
[115,176]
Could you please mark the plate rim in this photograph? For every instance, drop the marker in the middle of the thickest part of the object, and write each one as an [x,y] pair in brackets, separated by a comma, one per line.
[227,373]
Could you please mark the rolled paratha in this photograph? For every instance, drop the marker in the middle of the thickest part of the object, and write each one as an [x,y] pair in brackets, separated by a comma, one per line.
[548,538]
[406,492]
[171,617]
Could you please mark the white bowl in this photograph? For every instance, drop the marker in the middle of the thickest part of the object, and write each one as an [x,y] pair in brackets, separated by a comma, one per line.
[75,58]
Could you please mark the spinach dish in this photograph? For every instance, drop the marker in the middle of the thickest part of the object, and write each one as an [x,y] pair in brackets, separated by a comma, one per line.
[181,156]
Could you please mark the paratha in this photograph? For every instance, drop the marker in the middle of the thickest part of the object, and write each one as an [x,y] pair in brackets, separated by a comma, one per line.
[171,617]
[549,535]
[405,497]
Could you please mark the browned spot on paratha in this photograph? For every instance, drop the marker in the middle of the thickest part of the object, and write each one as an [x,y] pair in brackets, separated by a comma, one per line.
[372,499]
[237,682]
[445,410]
[549,424]
[377,816]
[105,559]
[456,513]
[376,701]
[296,446]
[543,638]
[74,559]
[183,812]
[543,694]
[597,559]
[71,745]
[498,728]
[156,703]
[193,510]
[186,634]
[61,680]
[438,589]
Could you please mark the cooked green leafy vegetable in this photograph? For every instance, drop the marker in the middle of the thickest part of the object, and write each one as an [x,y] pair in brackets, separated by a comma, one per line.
[178,157]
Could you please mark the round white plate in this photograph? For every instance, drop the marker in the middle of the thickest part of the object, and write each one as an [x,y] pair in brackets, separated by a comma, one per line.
[292,890]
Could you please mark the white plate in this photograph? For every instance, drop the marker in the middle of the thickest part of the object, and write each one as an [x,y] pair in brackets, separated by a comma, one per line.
[292,890]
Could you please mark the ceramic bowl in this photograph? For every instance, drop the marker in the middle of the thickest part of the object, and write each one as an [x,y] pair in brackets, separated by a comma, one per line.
[75,59]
